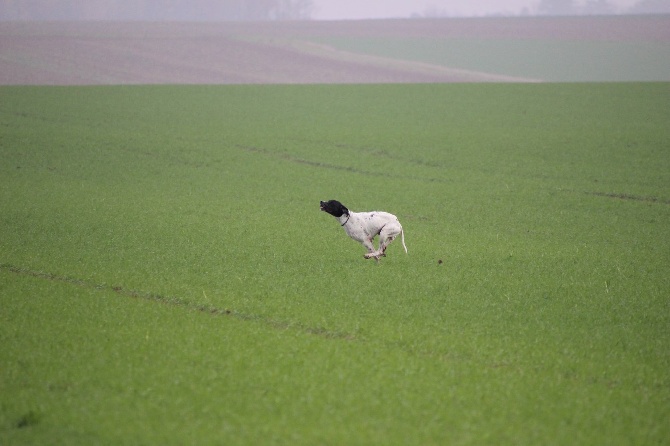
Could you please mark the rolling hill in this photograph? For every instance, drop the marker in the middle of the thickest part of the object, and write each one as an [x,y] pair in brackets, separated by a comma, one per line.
[383,51]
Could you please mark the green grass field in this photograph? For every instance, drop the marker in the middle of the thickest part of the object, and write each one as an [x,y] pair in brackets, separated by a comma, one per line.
[166,276]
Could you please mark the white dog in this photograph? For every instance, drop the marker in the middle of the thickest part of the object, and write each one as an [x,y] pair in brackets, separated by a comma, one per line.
[365,226]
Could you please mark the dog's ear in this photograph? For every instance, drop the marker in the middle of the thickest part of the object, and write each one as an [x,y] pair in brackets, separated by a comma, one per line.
[344,209]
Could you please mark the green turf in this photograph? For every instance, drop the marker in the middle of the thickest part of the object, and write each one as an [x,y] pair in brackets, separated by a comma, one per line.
[166,276]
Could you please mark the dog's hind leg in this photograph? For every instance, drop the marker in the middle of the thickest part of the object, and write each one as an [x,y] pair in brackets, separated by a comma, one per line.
[384,243]
[386,236]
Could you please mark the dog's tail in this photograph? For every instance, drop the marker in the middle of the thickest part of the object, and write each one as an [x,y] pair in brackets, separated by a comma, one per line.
[402,238]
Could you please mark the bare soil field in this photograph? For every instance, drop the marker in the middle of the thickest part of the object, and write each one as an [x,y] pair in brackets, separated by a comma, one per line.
[87,53]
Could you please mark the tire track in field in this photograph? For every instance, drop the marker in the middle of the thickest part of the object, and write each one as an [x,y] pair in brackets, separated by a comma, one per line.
[275,324]
[374,151]
[294,159]
[182,303]
[619,196]
[628,197]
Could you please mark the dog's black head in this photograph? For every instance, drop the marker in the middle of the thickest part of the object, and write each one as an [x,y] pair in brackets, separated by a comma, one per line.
[334,208]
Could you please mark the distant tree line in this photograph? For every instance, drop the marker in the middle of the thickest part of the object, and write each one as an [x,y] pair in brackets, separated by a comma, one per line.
[650,7]
[257,10]
[600,7]
[155,10]
[569,7]
[572,8]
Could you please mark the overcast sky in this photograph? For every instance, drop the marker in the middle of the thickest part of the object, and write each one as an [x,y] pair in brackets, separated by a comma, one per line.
[359,9]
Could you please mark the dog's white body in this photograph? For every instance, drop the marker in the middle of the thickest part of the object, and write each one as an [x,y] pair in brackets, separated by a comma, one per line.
[365,226]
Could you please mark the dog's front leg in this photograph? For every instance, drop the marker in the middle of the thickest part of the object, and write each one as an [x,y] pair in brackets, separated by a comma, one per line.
[371,249]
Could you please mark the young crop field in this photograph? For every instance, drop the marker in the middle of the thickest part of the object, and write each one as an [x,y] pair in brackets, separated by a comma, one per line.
[166,276]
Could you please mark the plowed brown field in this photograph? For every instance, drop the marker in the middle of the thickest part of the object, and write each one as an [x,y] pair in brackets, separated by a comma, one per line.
[280,52]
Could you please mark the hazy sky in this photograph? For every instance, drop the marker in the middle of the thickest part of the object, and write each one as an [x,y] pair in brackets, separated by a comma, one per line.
[358,9]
